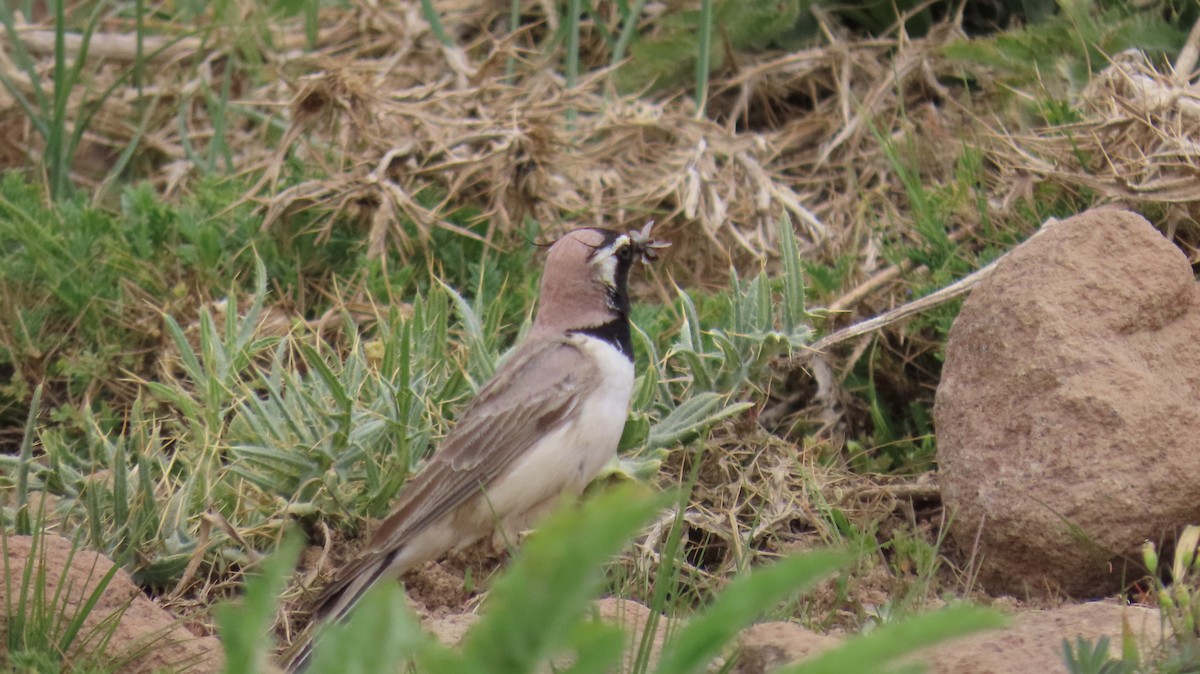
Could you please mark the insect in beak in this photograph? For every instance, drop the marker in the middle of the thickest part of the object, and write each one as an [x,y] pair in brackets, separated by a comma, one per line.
[643,243]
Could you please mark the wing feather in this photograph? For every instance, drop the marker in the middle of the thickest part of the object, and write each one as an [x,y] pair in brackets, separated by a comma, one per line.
[534,391]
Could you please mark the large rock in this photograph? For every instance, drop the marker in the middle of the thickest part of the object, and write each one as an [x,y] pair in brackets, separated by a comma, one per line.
[765,647]
[145,638]
[1067,412]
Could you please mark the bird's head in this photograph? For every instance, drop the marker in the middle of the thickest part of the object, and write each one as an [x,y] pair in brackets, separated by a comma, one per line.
[586,282]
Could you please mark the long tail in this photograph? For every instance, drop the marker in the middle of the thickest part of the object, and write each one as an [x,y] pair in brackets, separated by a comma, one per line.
[334,605]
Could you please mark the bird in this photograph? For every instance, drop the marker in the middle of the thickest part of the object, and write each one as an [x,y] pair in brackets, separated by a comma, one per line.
[544,425]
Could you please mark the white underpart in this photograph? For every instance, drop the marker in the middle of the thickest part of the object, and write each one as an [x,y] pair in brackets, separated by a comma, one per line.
[567,458]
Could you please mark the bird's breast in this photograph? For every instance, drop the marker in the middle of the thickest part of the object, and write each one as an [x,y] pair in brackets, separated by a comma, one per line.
[601,418]
[571,454]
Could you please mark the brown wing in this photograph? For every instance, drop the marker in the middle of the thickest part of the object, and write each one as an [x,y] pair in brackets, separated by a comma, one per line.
[534,390]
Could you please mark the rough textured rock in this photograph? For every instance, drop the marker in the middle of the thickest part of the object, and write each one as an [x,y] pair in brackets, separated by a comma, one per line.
[632,616]
[766,647]
[146,639]
[450,629]
[1067,408]
[1033,642]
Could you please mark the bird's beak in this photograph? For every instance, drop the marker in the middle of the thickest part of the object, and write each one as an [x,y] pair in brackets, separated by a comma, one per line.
[645,244]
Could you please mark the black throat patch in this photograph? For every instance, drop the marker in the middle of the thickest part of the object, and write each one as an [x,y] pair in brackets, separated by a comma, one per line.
[618,293]
[615,332]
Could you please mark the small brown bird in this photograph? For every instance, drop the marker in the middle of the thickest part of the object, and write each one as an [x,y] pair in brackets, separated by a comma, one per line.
[545,424]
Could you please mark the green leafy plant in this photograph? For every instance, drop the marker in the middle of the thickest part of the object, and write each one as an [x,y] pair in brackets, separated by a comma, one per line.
[1086,657]
[554,576]
[691,44]
[1057,51]
[242,627]
[870,652]
[1177,590]
[260,429]
[60,129]
[705,369]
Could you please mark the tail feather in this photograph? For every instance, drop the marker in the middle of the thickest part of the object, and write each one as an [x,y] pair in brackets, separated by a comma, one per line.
[334,605]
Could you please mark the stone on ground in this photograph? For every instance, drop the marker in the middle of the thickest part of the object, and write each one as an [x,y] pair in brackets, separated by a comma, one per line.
[146,638]
[629,615]
[766,647]
[1067,411]
[1033,641]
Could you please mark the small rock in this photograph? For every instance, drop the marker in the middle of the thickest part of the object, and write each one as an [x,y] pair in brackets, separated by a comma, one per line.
[632,617]
[146,637]
[767,646]
[629,615]
[450,629]
[1032,642]
[1067,408]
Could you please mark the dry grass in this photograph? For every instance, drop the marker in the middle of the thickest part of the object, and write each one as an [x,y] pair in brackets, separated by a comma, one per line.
[1135,146]
[396,128]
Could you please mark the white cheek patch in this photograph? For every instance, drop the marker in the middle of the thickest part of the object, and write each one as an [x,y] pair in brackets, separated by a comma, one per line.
[605,261]
[606,270]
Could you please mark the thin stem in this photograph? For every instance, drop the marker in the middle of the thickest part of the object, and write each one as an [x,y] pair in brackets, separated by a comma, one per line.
[702,59]
[435,23]
[139,59]
[628,27]
[312,10]
[514,22]
[573,10]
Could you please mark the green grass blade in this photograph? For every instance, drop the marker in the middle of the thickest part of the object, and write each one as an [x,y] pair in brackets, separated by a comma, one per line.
[648,382]
[572,65]
[24,525]
[62,91]
[666,581]
[120,492]
[76,623]
[81,118]
[703,56]
[132,146]
[740,603]
[27,65]
[557,572]
[629,24]
[430,14]
[218,110]
[245,627]
[794,313]
[482,365]
[187,355]
[382,633]
[872,652]
[139,59]
[312,23]
[514,23]
[332,383]
[693,417]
